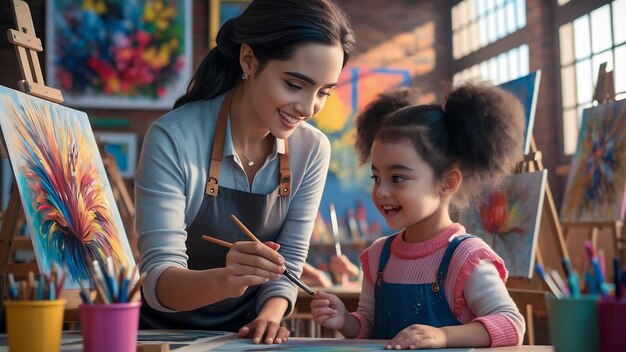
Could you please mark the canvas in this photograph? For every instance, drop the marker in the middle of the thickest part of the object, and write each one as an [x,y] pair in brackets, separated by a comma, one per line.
[595,185]
[67,199]
[121,54]
[349,185]
[508,220]
[123,147]
[526,89]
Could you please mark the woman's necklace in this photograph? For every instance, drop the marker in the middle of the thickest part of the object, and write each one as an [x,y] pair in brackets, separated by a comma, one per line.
[250,161]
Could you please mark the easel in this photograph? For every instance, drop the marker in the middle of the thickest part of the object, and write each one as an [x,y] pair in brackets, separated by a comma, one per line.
[604,93]
[528,294]
[27,46]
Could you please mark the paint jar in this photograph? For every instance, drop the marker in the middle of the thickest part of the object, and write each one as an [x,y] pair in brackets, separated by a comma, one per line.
[34,325]
[612,315]
[573,323]
[110,327]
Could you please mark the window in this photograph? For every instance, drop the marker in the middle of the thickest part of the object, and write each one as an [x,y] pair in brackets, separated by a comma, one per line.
[582,52]
[477,23]
[505,67]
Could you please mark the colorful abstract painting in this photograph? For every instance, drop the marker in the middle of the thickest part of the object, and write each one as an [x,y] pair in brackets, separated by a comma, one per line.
[595,185]
[349,185]
[526,89]
[508,220]
[119,54]
[67,199]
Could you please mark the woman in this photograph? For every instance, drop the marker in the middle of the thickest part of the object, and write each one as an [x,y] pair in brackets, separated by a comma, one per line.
[237,143]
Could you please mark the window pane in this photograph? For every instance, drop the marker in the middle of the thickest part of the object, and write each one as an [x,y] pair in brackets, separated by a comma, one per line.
[521,13]
[490,5]
[582,47]
[601,24]
[523,60]
[461,15]
[475,71]
[482,29]
[620,69]
[596,60]
[501,22]
[455,18]
[583,81]
[493,69]
[568,87]
[566,41]
[510,17]
[499,2]
[503,68]
[492,31]
[514,63]
[480,7]
[570,131]
[619,24]
[470,9]
[562,2]
[484,70]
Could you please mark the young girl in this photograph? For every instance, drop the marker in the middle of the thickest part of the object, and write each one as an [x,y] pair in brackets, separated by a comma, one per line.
[431,285]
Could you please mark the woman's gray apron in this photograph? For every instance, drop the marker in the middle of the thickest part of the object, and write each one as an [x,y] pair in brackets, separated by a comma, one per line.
[263,214]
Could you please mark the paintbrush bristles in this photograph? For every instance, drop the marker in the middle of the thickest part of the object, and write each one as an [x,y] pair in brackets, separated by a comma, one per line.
[244,229]
[216,241]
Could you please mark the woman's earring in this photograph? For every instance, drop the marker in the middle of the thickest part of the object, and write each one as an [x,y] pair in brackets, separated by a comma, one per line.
[245,76]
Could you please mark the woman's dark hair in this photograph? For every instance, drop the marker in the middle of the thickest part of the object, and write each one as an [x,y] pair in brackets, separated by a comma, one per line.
[479,129]
[274,29]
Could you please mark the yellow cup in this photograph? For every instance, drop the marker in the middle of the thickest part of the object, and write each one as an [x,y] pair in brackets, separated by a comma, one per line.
[34,326]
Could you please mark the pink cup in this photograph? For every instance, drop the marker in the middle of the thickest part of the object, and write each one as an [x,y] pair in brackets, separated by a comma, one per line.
[612,316]
[110,327]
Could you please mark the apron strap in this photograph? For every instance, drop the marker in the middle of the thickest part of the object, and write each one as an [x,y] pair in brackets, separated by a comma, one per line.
[445,261]
[285,172]
[212,183]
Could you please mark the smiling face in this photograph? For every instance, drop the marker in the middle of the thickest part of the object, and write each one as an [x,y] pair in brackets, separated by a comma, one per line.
[405,190]
[284,93]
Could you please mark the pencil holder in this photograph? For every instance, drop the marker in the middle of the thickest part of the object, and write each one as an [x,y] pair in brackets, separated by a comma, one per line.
[573,323]
[34,325]
[612,315]
[110,327]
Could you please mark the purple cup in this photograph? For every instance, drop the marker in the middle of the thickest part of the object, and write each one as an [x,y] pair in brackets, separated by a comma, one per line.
[612,316]
[110,327]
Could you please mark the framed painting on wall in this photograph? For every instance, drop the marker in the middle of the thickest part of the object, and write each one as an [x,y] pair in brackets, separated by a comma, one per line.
[221,11]
[123,147]
[119,54]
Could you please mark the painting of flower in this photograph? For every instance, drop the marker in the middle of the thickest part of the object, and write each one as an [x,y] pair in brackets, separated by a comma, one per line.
[119,54]
[508,218]
[595,185]
[67,199]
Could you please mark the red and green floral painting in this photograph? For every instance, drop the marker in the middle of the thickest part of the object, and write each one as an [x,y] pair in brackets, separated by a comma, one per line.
[117,53]
[508,219]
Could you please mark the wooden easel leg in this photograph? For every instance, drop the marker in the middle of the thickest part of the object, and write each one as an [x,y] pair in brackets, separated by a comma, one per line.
[6,238]
[593,236]
[530,325]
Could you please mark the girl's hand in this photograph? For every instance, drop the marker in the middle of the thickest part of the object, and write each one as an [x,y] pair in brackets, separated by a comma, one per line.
[418,336]
[251,263]
[328,311]
[268,331]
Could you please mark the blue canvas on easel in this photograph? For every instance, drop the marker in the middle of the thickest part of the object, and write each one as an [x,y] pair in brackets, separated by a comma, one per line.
[526,89]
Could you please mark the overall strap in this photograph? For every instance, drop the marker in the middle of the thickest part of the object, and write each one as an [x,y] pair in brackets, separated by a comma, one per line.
[384,258]
[445,261]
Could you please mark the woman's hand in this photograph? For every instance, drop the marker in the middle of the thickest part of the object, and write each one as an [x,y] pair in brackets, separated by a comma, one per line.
[268,331]
[266,327]
[418,336]
[328,311]
[251,263]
